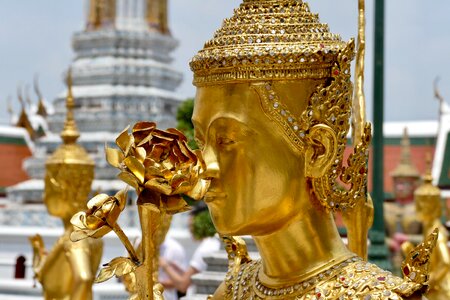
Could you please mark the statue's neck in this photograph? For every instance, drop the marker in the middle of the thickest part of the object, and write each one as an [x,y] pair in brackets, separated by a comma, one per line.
[305,247]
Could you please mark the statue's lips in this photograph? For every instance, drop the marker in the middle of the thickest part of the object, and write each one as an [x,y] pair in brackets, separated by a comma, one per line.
[213,196]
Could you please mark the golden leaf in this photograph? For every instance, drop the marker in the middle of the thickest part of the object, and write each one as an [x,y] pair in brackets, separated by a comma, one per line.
[78,235]
[99,232]
[118,267]
[135,167]
[114,157]
[147,139]
[97,201]
[175,204]
[129,179]
[188,152]
[159,185]
[175,131]
[152,172]
[142,130]
[79,220]
[94,222]
[121,196]
[182,188]
[140,154]
[125,141]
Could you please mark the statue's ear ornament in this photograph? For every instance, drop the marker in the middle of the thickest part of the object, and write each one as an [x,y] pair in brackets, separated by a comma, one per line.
[342,186]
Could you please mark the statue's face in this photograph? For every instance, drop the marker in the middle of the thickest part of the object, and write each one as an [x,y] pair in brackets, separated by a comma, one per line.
[66,189]
[427,209]
[256,179]
[54,196]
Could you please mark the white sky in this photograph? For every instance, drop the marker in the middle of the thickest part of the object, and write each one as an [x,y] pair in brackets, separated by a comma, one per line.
[35,37]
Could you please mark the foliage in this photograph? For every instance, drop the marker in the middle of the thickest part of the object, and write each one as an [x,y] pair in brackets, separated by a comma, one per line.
[203,226]
[184,123]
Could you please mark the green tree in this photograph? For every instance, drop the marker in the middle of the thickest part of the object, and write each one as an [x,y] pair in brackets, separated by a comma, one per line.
[184,123]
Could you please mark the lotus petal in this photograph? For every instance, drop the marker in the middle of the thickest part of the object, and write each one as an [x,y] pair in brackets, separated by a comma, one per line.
[78,235]
[180,135]
[136,167]
[182,188]
[100,232]
[114,157]
[124,140]
[142,130]
[97,201]
[129,179]
[78,220]
[105,274]
[152,172]
[94,222]
[124,265]
[145,140]
[140,154]
[122,196]
[175,204]
[158,185]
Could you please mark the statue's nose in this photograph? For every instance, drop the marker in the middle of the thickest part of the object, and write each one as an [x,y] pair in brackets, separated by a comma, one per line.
[212,166]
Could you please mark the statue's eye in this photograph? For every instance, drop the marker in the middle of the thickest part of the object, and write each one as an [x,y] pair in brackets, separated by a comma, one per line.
[224,141]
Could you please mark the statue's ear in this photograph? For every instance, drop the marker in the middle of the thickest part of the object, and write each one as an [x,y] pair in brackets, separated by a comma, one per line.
[321,150]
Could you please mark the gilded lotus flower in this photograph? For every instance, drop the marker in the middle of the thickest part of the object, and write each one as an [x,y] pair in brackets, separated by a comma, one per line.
[156,161]
[101,216]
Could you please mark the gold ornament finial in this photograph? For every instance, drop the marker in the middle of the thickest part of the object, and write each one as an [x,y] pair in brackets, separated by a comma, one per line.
[70,132]
[405,167]
[157,16]
[427,192]
[10,108]
[41,110]
[102,13]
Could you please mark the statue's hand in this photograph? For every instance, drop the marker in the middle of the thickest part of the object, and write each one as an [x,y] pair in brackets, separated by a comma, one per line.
[158,290]
[39,253]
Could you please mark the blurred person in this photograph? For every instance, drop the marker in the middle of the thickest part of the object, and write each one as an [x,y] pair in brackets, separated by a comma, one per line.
[203,230]
[172,253]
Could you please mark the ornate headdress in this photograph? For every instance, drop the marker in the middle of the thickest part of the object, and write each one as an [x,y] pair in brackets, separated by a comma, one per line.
[270,40]
[70,161]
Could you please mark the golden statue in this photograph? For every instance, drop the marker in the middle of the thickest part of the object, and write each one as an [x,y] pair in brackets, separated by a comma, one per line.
[273,103]
[429,209]
[68,270]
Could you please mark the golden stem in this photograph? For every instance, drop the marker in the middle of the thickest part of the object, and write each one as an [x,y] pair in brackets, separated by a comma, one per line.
[126,242]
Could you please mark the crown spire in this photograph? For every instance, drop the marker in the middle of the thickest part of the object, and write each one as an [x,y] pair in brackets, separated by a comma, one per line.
[405,168]
[41,110]
[102,14]
[427,191]
[70,132]
[428,178]
[157,16]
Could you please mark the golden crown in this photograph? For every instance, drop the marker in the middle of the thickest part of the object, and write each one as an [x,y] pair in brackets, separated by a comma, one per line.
[268,40]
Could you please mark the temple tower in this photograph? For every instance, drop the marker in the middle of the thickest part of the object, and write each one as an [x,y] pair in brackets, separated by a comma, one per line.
[121,74]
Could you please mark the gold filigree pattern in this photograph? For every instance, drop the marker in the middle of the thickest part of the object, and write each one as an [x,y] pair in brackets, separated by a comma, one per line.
[329,105]
[268,40]
[416,264]
[351,278]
